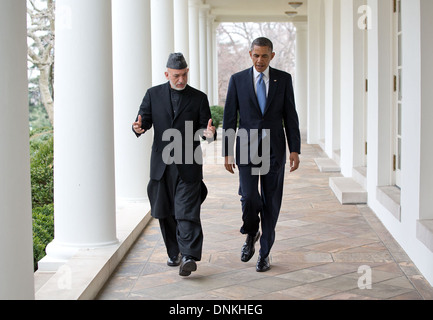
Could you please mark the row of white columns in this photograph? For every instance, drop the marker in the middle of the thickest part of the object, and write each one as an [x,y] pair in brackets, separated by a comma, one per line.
[107,55]
[343,113]
[130,46]
[336,81]
[185,26]
[301,77]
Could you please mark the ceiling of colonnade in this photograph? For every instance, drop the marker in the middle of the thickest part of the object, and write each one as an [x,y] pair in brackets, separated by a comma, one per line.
[256,10]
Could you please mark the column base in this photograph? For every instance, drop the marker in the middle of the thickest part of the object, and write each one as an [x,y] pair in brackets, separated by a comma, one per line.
[122,203]
[59,254]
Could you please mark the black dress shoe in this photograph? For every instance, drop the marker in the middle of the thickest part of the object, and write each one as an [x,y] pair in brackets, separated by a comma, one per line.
[174,261]
[263,264]
[248,249]
[187,266]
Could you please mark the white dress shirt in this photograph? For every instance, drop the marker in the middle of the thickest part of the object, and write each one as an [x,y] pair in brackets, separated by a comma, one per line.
[265,79]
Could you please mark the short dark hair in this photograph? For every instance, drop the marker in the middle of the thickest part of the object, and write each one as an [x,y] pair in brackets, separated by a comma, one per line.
[262,42]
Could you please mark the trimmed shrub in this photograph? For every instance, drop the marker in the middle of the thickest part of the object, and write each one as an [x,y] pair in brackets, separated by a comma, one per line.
[43,231]
[41,169]
[217,115]
[42,181]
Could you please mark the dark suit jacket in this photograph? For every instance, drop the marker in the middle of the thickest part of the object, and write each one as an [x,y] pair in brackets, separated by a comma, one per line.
[193,115]
[280,109]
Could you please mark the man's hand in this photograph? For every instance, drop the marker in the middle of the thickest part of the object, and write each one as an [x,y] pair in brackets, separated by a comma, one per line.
[137,126]
[294,161]
[210,131]
[229,164]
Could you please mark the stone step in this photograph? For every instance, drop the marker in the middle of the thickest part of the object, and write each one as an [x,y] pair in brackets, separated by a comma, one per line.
[327,165]
[348,191]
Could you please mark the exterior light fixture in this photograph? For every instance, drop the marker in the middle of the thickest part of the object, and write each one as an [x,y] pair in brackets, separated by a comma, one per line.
[296,4]
[291,13]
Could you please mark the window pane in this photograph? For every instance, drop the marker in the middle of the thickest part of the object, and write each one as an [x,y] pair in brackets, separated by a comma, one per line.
[399,154]
[399,15]
[399,50]
[399,119]
[400,95]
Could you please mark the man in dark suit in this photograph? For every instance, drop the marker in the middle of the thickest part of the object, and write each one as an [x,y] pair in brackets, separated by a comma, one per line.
[263,99]
[181,117]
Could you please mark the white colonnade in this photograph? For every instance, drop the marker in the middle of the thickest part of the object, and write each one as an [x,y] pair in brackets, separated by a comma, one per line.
[84,175]
[99,163]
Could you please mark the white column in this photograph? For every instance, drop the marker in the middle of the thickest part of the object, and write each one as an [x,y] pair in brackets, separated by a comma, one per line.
[347,87]
[301,79]
[194,41]
[215,64]
[359,42]
[332,76]
[84,188]
[380,90]
[314,72]
[181,27]
[210,59]
[162,38]
[16,251]
[336,87]
[203,48]
[328,77]
[426,148]
[132,67]
[353,89]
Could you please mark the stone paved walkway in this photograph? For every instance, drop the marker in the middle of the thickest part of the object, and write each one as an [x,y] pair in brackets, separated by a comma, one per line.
[320,246]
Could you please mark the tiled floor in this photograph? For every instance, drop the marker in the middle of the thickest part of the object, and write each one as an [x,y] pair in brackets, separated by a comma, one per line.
[320,247]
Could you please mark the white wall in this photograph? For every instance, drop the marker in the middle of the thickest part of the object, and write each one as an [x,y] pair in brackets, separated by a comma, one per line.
[426,205]
[414,172]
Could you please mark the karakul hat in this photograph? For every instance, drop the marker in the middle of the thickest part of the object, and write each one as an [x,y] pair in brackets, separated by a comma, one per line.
[176,61]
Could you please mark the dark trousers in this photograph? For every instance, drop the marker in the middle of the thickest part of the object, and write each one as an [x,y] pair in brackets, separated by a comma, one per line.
[261,206]
[181,228]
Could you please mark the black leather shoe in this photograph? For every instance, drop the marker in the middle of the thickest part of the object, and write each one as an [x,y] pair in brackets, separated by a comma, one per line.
[174,261]
[263,264]
[248,249]
[187,266]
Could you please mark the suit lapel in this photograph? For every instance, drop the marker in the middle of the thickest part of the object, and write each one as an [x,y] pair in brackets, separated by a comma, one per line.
[251,90]
[273,84]
[166,99]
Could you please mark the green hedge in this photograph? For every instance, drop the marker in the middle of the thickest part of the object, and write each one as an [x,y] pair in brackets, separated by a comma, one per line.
[42,180]
[43,231]
[217,115]
[41,168]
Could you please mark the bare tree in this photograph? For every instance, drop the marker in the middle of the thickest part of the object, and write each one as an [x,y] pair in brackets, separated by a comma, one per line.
[234,40]
[41,50]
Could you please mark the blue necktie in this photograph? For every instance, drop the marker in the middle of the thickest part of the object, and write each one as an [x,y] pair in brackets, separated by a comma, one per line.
[261,93]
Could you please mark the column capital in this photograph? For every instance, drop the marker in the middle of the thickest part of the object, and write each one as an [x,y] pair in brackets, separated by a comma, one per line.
[301,25]
[195,3]
[204,10]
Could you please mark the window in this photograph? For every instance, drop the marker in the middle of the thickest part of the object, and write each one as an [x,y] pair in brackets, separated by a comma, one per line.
[398,96]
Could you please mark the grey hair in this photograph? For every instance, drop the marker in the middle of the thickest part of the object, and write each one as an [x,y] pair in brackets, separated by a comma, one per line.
[262,42]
